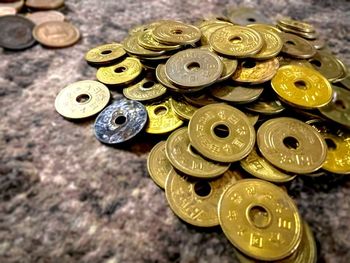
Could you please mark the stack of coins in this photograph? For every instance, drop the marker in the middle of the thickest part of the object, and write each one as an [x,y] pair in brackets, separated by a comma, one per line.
[248,108]
[38,22]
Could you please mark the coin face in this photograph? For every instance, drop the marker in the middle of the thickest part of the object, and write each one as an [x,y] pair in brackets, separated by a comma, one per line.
[327,65]
[193,68]
[82,99]
[182,108]
[105,54]
[236,41]
[120,121]
[296,46]
[307,36]
[200,99]
[260,219]
[221,132]
[146,89]
[235,93]
[158,164]
[194,200]
[184,158]
[302,87]
[297,25]
[44,4]
[209,28]
[291,145]
[121,73]
[131,45]
[266,104]
[56,34]
[16,32]
[147,41]
[7,10]
[45,16]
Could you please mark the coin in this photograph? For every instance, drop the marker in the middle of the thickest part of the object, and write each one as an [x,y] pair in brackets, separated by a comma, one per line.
[124,72]
[162,118]
[209,28]
[146,40]
[266,104]
[296,46]
[345,73]
[236,41]
[105,54]
[200,99]
[7,10]
[193,68]
[194,200]
[132,46]
[297,25]
[246,15]
[253,118]
[256,165]
[18,5]
[82,99]
[44,4]
[327,65]
[56,34]
[338,109]
[183,109]
[260,219]
[221,133]
[307,36]
[45,16]
[256,72]
[16,32]
[120,121]
[302,87]
[318,43]
[291,145]
[293,61]
[185,159]
[158,165]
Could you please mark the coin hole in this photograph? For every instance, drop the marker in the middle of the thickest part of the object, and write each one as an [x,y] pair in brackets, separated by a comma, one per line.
[259,216]
[160,110]
[120,69]
[251,19]
[249,64]
[340,104]
[106,52]
[202,188]
[316,63]
[290,42]
[300,84]
[82,98]
[330,144]
[177,32]
[291,142]
[221,131]
[148,84]
[193,66]
[236,40]
[120,120]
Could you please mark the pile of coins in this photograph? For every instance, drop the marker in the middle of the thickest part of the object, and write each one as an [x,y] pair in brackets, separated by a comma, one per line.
[46,26]
[249,106]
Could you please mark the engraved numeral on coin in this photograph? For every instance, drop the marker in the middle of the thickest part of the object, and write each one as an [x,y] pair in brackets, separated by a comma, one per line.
[256,240]
[282,223]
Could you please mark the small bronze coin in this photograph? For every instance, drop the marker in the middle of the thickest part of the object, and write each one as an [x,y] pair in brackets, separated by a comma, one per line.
[182,108]
[44,4]
[120,121]
[16,32]
[296,46]
[266,104]
[45,16]
[56,34]
[105,54]
[291,145]
[327,65]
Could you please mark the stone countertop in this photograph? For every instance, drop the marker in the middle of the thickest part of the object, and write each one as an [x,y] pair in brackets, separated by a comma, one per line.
[64,197]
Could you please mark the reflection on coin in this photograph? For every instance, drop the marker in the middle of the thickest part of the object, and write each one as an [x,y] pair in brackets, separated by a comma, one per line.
[105,54]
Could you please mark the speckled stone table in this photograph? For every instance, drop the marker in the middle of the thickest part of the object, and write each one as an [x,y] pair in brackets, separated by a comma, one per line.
[64,197]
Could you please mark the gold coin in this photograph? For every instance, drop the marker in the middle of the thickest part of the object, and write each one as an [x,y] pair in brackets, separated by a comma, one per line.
[318,43]
[302,87]
[131,45]
[221,132]
[258,166]
[147,41]
[173,32]
[182,156]
[327,65]
[308,36]
[45,16]
[196,200]
[200,99]
[162,118]
[291,145]
[82,99]
[266,104]
[256,72]
[124,72]
[260,219]
[272,42]
[253,118]
[236,41]
[296,46]
[44,4]
[182,108]
[56,34]
[297,25]
[209,28]
[293,61]
[338,143]
[105,54]
[158,165]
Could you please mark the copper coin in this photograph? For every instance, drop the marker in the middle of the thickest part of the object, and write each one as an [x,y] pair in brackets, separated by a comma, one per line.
[44,4]
[4,11]
[45,16]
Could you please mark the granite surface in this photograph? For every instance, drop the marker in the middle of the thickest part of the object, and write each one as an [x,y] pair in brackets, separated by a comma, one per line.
[64,197]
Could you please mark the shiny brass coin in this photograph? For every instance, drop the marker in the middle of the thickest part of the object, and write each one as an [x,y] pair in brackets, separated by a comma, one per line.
[44,4]
[337,139]
[291,145]
[105,54]
[267,104]
[260,219]
[302,87]
[174,32]
[338,109]
[236,94]
[297,25]
[121,73]
[16,5]
[158,165]
[200,99]
[209,29]
[82,99]
[182,156]
[297,47]
[162,118]
[182,108]
[131,45]
[246,16]
[256,72]
[327,65]
[7,10]
[194,200]
[56,34]
[272,42]
[221,132]
[258,166]
[293,61]
[45,16]
[236,41]
[193,68]
[212,20]
[308,36]
[146,40]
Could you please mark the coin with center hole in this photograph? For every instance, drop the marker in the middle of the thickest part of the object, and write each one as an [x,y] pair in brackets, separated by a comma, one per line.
[120,121]
[195,200]
[246,16]
[208,29]
[291,145]
[105,54]
[221,133]
[200,99]
[327,65]
[182,108]
[82,99]
[297,25]
[147,41]
[266,104]
[132,46]
[296,46]
[260,219]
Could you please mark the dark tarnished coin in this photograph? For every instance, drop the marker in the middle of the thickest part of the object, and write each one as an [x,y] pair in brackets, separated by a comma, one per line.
[182,108]
[327,65]
[235,93]
[120,121]
[105,54]
[200,99]
[296,46]
[44,4]
[267,104]
[16,32]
